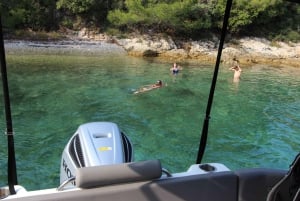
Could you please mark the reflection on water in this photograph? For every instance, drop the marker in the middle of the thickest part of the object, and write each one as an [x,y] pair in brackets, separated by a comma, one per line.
[255,123]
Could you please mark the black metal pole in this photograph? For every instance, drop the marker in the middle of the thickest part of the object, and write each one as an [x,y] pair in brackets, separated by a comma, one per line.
[11,166]
[203,139]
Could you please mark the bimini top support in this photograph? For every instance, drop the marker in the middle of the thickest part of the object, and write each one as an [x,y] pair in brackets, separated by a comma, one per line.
[203,139]
[11,167]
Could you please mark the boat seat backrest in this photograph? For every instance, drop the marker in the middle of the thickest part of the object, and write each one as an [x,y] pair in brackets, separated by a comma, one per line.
[104,175]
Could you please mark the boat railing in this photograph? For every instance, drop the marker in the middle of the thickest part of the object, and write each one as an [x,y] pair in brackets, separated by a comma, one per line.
[65,183]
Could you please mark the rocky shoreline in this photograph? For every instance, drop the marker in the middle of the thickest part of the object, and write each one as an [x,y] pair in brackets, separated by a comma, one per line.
[248,51]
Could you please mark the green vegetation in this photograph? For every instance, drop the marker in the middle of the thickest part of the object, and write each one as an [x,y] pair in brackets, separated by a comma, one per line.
[273,19]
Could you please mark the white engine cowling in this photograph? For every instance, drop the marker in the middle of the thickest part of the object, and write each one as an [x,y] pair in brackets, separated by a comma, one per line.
[93,144]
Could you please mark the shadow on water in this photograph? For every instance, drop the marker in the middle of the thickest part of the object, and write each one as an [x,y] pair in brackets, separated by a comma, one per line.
[53,93]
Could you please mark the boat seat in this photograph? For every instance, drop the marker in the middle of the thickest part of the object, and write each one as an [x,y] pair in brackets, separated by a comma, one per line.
[141,182]
[255,183]
[89,177]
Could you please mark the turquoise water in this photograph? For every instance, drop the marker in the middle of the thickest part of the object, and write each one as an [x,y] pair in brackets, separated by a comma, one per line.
[255,123]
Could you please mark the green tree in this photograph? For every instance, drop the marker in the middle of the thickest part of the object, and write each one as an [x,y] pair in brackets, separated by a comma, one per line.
[177,17]
[33,14]
[184,18]
[245,12]
[76,6]
[87,12]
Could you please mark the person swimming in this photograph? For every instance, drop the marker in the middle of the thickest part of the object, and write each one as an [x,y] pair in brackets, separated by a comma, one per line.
[175,69]
[149,87]
[158,84]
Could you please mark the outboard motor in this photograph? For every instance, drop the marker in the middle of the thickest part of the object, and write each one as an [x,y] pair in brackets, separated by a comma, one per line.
[93,144]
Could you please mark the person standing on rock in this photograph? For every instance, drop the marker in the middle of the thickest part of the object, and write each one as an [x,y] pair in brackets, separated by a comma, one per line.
[237,70]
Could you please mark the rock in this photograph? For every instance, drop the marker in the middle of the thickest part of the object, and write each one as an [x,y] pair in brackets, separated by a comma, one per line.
[150,53]
[95,35]
[176,54]
[146,43]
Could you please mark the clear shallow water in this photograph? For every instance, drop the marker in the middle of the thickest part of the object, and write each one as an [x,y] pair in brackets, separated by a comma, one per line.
[255,123]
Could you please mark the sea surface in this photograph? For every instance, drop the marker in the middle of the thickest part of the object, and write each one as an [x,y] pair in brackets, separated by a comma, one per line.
[56,88]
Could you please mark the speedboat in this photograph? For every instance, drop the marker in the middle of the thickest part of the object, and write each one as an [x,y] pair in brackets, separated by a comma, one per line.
[97,164]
